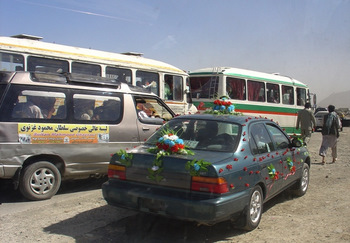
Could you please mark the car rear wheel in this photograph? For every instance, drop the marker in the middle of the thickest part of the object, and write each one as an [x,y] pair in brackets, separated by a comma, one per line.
[302,184]
[40,181]
[251,217]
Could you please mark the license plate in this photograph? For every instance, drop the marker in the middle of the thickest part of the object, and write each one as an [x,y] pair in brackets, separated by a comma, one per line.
[151,205]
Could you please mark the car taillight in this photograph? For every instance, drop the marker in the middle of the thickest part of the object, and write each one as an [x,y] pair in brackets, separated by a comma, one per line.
[209,184]
[116,172]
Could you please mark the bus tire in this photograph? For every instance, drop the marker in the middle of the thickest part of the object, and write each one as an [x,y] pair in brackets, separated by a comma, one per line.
[40,181]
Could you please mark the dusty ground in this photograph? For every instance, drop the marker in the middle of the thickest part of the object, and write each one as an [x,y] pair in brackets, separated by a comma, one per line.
[322,215]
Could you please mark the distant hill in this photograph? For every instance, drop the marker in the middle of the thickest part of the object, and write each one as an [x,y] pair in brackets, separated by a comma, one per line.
[339,100]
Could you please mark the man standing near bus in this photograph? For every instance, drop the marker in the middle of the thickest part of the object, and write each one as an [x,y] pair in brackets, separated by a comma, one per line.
[307,122]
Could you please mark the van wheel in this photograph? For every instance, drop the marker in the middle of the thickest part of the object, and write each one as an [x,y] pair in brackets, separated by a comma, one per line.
[251,216]
[40,181]
[302,184]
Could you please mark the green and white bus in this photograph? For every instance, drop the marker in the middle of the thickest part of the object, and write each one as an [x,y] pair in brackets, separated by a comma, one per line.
[253,93]
[29,53]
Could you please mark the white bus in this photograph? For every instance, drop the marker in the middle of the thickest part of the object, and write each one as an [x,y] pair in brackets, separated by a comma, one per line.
[28,53]
[253,93]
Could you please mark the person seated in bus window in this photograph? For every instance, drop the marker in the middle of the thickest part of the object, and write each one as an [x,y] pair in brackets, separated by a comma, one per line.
[300,100]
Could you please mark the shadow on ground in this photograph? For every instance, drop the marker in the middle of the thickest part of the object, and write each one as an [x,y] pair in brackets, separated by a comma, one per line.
[141,227]
[9,195]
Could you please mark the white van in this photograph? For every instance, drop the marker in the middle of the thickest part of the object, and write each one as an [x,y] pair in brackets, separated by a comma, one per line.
[60,126]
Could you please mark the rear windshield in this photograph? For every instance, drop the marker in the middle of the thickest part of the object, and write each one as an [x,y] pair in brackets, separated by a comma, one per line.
[201,134]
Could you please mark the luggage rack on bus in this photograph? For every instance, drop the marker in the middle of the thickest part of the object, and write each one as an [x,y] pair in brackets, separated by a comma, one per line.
[75,79]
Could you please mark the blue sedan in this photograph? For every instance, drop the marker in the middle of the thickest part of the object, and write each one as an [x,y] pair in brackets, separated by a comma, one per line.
[208,169]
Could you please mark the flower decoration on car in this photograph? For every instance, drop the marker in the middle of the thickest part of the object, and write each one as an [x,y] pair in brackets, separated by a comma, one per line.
[169,143]
[272,172]
[124,158]
[223,106]
[290,165]
[195,167]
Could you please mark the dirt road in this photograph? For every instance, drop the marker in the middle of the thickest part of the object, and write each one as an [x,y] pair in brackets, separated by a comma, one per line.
[322,215]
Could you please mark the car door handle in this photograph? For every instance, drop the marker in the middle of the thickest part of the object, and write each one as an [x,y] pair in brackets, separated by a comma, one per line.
[145,128]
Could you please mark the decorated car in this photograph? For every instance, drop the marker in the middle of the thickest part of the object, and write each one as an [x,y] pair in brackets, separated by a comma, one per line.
[209,168]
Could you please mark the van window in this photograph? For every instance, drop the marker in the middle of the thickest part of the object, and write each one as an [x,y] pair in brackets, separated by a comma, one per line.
[147,107]
[96,108]
[34,104]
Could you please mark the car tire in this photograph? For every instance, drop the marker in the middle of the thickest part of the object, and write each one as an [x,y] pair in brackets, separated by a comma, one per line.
[251,217]
[40,181]
[302,184]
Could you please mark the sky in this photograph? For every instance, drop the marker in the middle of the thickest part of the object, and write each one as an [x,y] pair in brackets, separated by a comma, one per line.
[308,40]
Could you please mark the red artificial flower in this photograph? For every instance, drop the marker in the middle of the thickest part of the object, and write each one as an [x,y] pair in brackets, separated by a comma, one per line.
[165,147]
[293,169]
[245,168]
[229,167]
[174,148]
[242,149]
[251,172]
[232,186]
[221,170]
[235,159]
[246,184]
[245,157]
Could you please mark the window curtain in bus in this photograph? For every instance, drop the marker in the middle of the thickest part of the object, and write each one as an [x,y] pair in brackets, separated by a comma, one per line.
[235,88]
[254,90]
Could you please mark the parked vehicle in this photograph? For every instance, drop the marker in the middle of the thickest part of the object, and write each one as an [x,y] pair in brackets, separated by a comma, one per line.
[319,116]
[60,126]
[209,168]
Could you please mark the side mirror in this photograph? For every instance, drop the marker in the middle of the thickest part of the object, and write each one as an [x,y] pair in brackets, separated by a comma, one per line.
[297,142]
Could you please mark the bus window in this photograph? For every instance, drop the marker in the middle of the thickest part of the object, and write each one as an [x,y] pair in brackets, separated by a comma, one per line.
[173,88]
[32,104]
[119,74]
[93,107]
[204,87]
[148,80]
[11,62]
[288,95]
[301,96]
[273,93]
[235,88]
[85,68]
[47,65]
[256,91]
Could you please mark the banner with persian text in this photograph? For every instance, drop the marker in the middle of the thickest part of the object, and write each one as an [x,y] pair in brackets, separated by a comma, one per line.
[39,133]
